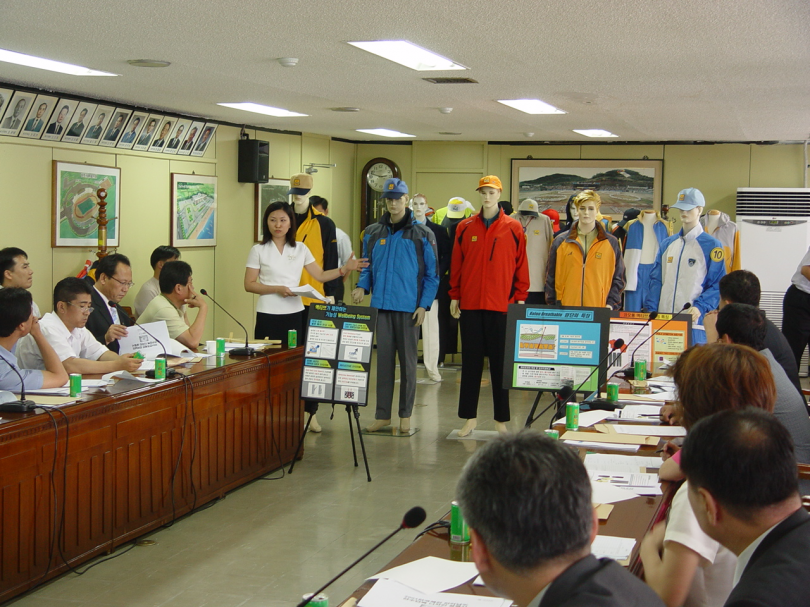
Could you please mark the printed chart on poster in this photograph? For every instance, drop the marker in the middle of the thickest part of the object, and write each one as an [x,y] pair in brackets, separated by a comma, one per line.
[337,353]
[671,336]
[549,347]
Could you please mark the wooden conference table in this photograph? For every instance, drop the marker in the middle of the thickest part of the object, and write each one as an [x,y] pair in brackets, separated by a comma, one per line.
[228,422]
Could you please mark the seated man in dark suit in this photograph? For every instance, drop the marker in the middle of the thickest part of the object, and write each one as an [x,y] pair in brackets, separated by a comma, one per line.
[742,286]
[108,323]
[527,500]
[743,488]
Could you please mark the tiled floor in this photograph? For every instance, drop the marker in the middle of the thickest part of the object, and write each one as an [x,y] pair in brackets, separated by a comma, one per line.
[268,542]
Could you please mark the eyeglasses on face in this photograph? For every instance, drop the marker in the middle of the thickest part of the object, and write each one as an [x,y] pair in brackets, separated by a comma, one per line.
[84,308]
[127,285]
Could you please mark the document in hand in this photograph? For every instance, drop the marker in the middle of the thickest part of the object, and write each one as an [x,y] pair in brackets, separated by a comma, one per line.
[307,291]
[138,340]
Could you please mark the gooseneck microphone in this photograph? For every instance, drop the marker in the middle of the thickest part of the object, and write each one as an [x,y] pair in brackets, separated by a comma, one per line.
[18,406]
[413,518]
[652,317]
[617,345]
[630,372]
[247,350]
[151,373]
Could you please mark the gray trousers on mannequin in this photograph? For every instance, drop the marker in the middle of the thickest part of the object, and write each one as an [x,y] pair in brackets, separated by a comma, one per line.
[396,334]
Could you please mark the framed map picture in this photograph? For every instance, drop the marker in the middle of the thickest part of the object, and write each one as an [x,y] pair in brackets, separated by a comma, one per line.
[194,210]
[266,194]
[75,204]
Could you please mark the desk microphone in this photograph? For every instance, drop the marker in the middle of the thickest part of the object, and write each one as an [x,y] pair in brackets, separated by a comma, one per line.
[617,345]
[629,373]
[17,406]
[151,373]
[247,350]
[413,518]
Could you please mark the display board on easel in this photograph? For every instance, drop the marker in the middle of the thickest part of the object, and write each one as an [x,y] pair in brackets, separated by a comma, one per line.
[337,353]
[658,342]
[548,347]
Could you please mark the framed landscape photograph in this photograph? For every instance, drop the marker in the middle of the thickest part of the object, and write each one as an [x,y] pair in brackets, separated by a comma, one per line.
[266,194]
[75,204]
[194,210]
[621,184]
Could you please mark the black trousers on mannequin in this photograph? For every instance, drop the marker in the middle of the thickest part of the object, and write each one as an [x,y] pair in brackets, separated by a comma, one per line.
[448,326]
[483,333]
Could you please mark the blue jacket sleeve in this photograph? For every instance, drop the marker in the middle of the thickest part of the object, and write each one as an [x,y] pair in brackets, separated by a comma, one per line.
[365,280]
[430,280]
[653,296]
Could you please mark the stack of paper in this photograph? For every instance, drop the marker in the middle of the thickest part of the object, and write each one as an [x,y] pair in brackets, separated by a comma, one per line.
[640,483]
[430,574]
[616,548]
[620,463]
[388,593]
[637,414]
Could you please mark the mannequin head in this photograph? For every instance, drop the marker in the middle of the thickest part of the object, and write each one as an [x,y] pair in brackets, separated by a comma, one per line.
[690,205]
[490,189]
[587,204]
[420,207]
[395,193]
[300,187]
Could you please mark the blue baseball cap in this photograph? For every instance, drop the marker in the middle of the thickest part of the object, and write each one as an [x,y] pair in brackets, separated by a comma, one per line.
[394,188]
[688,199]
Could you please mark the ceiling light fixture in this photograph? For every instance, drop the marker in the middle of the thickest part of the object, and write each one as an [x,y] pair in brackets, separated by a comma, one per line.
[258,108]
[287,61]
[384,133]
[594,133]
[531,106]
[345,109]
[148,63]
[445,110]
[408,54]
[49,64]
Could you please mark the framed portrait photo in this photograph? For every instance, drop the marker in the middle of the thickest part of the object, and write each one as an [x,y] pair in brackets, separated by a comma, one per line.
[60,119]
[194,210]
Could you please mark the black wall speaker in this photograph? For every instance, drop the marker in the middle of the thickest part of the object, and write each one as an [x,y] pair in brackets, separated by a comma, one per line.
[254,161]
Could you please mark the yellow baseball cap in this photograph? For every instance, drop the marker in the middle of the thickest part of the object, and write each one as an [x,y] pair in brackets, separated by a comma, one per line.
[490,181]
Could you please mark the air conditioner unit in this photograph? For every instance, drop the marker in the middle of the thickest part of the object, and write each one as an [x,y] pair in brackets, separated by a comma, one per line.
[774,225]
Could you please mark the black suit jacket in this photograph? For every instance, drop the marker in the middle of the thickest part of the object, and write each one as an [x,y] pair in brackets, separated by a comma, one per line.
[779,569]
[100,320]
[778,344]
[444,247]
[54,129]
[592,582]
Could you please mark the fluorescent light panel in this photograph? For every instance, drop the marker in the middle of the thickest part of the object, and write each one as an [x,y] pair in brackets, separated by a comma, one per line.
[408,54]
[531,106]
[594,133]
[49,64]
[258,108]
[384,133]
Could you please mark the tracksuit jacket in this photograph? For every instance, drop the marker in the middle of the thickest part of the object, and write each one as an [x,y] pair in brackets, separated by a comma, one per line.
[595,280]
[401,275]
[319,233]
[489,269]
[729,236]
[687,269]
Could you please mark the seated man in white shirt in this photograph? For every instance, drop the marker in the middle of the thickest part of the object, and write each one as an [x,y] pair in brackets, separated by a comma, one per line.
[17,321]
[151,288]
[64,328]
[176,289]
[15,271]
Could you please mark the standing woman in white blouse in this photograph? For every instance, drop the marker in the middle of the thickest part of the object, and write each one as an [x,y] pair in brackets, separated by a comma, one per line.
[275,265]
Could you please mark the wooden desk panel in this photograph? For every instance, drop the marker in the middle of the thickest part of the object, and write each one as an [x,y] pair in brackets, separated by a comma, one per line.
[228,424]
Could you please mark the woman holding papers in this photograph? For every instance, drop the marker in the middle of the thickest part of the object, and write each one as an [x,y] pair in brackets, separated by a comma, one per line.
[274,269]
[681,563]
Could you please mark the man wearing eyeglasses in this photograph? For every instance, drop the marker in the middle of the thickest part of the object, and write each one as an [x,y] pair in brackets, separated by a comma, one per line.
[108,321]
[65,331]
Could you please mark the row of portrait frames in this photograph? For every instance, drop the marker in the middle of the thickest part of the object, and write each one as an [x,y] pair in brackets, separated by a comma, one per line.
[194,211]
[50,118]
[76,204]
[621,184]
[274,190]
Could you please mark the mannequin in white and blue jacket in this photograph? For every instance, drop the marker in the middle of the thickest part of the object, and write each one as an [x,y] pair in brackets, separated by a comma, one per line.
[644,237]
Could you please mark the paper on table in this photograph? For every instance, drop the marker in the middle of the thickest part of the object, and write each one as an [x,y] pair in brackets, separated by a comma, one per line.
[657,397]
[640,482]
[620,463]
[583,444]
[138,340]
[606,435]
[603,511]
[616,548]
[307,291]
[636,413]
[388,593]
[431,574]
[649,430]
[588,418]
[232,346]
[605,493]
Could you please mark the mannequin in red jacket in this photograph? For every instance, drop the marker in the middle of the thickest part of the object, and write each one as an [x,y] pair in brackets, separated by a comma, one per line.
[488,272]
